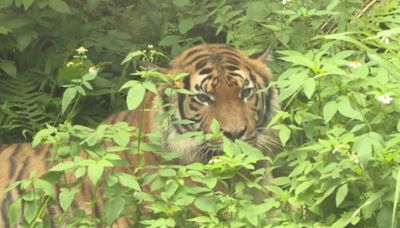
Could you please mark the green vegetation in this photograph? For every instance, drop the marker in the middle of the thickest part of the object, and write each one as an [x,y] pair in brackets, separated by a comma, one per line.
[337,68]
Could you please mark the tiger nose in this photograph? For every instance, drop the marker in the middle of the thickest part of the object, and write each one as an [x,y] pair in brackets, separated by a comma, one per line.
[234,133]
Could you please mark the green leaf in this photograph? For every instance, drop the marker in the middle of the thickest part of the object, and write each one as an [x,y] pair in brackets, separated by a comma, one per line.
[89,76]
[215,127]
[249,150]
[59,6]
[297,58]
[68,96]
[309,87]
[9,68]
[63,166]
[384,217]
[94,172]
[4,30]
[200,219]
[206,204]
[329,110]
[30,210]
[185,25]
[396,198]
[149,85]
[345,108]
[398,125]
[284,134]
[180,3]
[23,41]
[129,181]
[185,200]
[341,194]
[45,187]
[280,181]
[66,197]
[135,96]
[5,3]
[27,4]
[131,55]
[113,208]
[14,213]
[167,172]
[303,186]
[121,138]
[169,41]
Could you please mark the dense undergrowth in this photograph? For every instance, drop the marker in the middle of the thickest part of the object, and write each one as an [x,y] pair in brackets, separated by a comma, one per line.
[336,65]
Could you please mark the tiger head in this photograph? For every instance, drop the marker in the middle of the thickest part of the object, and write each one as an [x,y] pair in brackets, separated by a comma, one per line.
[225,85]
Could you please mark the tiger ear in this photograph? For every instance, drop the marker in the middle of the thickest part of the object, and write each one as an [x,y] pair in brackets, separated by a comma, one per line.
[264,56]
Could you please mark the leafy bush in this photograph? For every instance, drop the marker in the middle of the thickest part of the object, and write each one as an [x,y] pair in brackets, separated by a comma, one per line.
[337,71]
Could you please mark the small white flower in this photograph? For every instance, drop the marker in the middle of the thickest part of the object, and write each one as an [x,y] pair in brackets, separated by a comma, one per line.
[385,38]
[70,63]
[354,64]
[150,46]
[284,2]
[93,70]
[214,160]
[81,50]
[385,98]
[354,158]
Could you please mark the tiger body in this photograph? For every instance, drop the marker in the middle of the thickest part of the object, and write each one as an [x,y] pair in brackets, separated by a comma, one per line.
[224,82]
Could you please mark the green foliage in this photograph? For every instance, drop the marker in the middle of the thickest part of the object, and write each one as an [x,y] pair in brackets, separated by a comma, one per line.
[336,68]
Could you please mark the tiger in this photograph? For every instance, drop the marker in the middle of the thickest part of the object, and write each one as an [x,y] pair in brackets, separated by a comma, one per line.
[225,84]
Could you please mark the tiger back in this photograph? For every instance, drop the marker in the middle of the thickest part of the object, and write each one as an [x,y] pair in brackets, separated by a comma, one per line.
[225,84]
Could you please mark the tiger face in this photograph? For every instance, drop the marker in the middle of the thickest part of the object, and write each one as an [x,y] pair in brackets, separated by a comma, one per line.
[226,86]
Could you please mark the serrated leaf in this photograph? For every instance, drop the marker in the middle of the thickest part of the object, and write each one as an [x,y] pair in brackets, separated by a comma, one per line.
[23,41]
[150,86]
[95,171]
[66,197]
[167,172]
[129,181]
[68,96]
[185,25]
[27,4]
[63,166]
[30,210]
[14,213]
[205,204]
[284,134]
[280,181]
[185,200]
[309,87]
[45,187]
[112,209]
[201,219]
[345,108]
[329,110]
[215,127]
[121,138]
[341,194]
[59,6]
[131,55]
[135,96]
[303,186]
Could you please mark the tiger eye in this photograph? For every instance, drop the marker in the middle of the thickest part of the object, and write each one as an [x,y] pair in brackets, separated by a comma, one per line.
[246,93]
[202,98]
